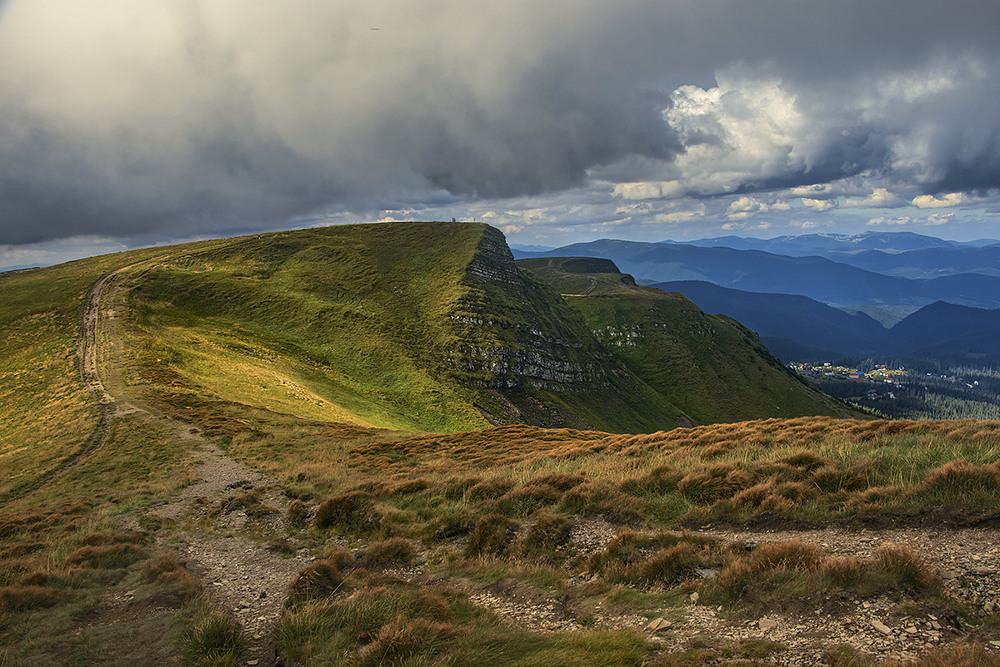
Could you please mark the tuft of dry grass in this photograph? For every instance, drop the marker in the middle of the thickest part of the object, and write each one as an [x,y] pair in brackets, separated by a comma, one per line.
[900,568]
[393,551]
[352,510]
[771,573]
[318,580]
[14,599]
[960,655]
[401,638]
[107,557]
[548,532]
[298,514]
[492,536]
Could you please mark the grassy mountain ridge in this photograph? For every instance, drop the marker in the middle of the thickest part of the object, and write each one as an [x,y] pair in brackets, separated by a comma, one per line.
[232,387]
[432,326]
[711,367]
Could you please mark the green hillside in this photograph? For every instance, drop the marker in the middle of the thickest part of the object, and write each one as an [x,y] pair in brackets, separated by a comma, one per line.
[431,326]
[276,449]
[416,326]
[709,366]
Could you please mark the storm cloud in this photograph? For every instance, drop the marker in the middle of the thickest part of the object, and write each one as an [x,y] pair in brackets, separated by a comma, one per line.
[164,118]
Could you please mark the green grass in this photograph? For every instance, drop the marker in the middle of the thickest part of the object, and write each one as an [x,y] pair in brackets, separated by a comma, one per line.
[709,366]
[379,621]
[352,365]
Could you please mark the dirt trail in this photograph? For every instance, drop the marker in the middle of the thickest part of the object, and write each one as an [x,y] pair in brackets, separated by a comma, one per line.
[223,542]
[243,553]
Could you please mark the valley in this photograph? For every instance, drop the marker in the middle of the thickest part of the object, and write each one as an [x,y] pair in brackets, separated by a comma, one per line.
[398,446]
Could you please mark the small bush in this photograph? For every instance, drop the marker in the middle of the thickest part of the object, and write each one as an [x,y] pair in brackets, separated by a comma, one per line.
[110,557]
[352,510]
[491,536]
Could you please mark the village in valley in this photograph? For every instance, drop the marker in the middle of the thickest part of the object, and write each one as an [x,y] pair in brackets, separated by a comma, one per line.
[901,391]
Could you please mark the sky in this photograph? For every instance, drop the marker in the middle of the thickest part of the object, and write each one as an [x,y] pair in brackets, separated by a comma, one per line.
[128,123]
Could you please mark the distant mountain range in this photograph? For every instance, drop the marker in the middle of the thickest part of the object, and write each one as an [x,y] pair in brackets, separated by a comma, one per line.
[835,283]
[903,254]
[796,327]
[819,244]
[803,294]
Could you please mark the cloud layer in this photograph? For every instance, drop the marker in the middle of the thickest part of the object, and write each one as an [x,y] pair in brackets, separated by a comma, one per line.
[169,118]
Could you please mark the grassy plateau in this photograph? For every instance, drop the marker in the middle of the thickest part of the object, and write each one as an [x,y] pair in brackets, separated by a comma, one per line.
[482,462]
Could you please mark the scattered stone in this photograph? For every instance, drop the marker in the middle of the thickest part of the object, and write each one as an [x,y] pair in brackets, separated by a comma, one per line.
[694,597]
[658,625]
[767,624]
[881,627]
[911,629]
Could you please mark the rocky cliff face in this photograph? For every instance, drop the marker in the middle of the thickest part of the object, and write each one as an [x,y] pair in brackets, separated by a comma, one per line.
[510,335]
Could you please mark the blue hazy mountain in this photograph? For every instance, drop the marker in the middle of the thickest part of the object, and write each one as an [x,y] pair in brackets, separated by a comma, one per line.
[835,283]
[798,328]
[903,254]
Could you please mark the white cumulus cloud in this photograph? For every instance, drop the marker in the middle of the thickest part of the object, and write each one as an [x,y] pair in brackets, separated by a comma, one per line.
[948,200]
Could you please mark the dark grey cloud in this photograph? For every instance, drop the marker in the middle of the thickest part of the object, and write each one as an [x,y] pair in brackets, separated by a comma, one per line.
[174,117]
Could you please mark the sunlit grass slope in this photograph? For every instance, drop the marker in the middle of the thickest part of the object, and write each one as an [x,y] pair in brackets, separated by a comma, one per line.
[331,324]
[46,416]
[418,326]
[808,468]
[709,366]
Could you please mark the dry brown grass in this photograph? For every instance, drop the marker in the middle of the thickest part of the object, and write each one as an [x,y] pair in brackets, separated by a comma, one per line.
[26,597]
[106,557]
[318,580]
[492,536]
[351,510]
[961,655]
